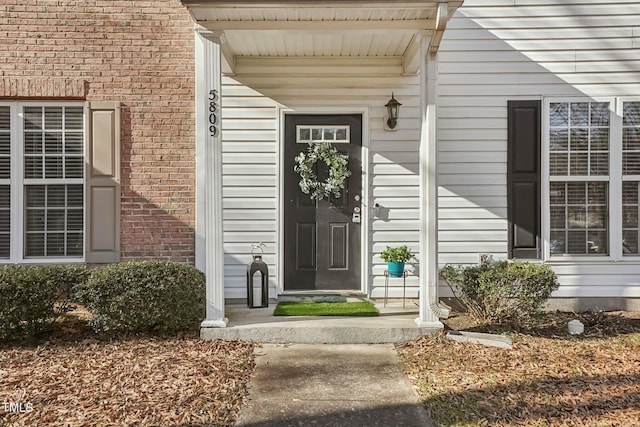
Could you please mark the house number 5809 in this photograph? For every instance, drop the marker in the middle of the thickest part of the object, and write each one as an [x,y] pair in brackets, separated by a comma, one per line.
[213,112]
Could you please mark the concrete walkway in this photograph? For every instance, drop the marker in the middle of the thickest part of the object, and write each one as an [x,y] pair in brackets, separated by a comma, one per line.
[330,385]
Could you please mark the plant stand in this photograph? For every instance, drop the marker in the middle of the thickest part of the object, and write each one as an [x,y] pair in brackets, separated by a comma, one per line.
[386,286]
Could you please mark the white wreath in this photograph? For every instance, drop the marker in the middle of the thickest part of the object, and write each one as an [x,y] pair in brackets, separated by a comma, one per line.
[338,171]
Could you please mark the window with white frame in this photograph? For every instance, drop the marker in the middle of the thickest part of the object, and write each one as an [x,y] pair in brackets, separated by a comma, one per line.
[5,182]
[593,160]
[41,181]
[630,176]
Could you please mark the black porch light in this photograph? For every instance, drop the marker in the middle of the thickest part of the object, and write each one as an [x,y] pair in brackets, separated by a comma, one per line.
[393,106]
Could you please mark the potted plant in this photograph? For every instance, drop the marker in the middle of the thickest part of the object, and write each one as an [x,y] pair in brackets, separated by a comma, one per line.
[395,258]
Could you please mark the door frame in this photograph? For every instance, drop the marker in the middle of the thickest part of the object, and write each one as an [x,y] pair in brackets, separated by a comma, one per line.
[365,284]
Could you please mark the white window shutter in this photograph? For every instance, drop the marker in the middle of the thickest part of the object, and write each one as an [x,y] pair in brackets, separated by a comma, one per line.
[103,182]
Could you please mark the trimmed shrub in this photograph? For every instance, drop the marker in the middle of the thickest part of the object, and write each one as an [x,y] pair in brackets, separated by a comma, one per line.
[34,296]
[158,297]
[502,291]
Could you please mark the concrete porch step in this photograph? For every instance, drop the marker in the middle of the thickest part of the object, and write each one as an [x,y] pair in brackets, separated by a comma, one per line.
[395,324]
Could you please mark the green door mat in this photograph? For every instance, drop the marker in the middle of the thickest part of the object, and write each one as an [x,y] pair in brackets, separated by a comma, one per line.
[359,308]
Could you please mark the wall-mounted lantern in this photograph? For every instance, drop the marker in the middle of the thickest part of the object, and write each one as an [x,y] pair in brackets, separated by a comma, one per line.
[393,108]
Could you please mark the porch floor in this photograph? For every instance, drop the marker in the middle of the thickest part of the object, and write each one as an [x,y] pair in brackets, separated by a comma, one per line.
[394,324]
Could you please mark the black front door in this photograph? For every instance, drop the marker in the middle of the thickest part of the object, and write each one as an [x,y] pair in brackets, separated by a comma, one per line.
[322,237]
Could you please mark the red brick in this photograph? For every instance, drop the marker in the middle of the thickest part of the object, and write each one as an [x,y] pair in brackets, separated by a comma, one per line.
[141,54]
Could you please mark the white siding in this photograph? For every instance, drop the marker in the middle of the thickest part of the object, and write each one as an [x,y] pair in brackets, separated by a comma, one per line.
[251,99]
[494,51]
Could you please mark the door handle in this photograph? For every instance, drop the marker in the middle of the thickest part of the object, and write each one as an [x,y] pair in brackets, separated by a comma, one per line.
[356,215]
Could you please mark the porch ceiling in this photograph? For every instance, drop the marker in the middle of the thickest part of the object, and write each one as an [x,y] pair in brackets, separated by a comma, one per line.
[332,28]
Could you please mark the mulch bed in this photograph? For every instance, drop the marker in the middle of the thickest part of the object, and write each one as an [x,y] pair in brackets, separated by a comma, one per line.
[549,378]
[76,379]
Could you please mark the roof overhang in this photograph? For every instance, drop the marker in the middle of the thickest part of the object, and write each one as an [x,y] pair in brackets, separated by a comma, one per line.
[330,28]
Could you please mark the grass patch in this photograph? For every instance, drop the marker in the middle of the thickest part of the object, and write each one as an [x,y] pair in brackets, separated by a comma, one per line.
[359,308]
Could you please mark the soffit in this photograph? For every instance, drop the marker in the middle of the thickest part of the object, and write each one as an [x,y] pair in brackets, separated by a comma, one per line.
[312,28]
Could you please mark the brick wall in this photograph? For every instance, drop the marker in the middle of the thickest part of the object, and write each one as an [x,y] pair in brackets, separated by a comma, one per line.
[141,54]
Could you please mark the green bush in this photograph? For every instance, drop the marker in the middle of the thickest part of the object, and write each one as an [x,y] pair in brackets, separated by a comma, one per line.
[145,296]
[34,296]
[502,291]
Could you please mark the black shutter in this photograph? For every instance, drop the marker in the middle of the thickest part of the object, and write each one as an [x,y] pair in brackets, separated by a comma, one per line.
[523,179]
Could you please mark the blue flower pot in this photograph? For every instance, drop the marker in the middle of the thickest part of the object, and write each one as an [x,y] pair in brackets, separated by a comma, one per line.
[395,269]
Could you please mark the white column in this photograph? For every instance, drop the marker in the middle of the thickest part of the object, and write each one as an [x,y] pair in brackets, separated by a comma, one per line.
[209,248]
[428,316]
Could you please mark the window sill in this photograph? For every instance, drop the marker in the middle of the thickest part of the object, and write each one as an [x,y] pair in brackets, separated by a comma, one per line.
[590,260]
[44,261]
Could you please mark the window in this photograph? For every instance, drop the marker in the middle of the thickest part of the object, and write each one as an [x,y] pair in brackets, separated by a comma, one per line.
[41,181]
[579,175]
[593,161]
[630,176]
[336,134]
[5,175]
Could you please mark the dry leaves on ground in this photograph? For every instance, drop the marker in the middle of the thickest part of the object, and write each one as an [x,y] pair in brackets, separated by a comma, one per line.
[550,379]
[141,382]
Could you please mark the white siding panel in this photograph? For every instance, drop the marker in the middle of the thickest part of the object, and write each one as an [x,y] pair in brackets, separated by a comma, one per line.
[238,169]
[494,51]
[461,179]
[249,158]
[249,192]
[471,157]
[239,259]
[251,150]
[247,215]
[250,147]
[249,181]
[406,145]
[246,102]
[389,180]
[496,147]
[479,201]
[473,247]
[394,157]
[400,191]
[470,215]
[249,203]
[240,252]
[254,225]
[472,168]
[472,190]
[394,169]
[409,224]
[476,235]
[447,225]
[257,124]
[597,286]
[249,113]
[399,214]
[249,135]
